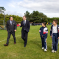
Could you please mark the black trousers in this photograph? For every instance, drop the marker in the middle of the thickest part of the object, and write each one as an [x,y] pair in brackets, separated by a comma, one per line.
[9,34]
[24,36]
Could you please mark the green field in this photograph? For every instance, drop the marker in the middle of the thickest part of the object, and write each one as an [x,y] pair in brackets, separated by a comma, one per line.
[31,51]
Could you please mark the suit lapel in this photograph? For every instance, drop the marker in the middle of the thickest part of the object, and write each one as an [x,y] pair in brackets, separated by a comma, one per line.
[9,22]
[26,22]
[57,27]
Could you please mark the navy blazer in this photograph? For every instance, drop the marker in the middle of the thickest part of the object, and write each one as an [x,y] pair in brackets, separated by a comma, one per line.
[25,27]
[43,32]
[57,30]
[11,27]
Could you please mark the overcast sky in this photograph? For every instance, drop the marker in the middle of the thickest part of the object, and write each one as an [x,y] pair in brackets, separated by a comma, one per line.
[19,7]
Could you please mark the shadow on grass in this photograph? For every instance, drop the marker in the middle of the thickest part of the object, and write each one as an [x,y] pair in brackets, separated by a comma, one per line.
[38,43]
[49,47]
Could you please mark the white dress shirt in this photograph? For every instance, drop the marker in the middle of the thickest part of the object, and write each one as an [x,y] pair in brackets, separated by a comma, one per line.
[25,21]
[10,22]
[54,30]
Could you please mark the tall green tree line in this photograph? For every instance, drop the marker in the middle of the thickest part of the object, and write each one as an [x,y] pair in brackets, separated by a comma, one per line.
[39,17]
[35,17]
[17,18]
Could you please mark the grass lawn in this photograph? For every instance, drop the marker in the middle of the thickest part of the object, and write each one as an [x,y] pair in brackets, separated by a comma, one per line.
[31,51]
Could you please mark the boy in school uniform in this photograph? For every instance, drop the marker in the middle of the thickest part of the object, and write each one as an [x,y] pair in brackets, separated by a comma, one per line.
[43,34]
[54,33]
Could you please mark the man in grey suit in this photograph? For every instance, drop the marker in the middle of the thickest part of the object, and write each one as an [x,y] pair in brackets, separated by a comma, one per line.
[11,28]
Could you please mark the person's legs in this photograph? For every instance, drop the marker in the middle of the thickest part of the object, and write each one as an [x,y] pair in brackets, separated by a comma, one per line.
[52,42]
[9,33]
[13,34]
[26,34]
[53,39]
[45,45]
[56,42]
[42,42]
[23,35]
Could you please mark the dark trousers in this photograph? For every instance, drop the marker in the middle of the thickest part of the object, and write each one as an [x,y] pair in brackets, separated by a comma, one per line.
[55,41]
[9,34]
[24,36]
[44,44]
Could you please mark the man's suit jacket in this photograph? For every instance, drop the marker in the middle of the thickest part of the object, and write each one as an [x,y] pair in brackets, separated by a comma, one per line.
[11,27]
[25,27]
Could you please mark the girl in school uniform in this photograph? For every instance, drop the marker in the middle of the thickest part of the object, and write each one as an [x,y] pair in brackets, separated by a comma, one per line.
[43,34]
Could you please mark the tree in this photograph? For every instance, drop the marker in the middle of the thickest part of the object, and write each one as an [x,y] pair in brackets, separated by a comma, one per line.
[36,17]
[27,14]
[17,18]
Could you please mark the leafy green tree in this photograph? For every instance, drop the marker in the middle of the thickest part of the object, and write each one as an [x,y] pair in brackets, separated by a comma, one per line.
[36,17]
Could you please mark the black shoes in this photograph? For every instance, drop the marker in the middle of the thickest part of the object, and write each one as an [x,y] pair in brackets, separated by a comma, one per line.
[24,45]
[14,42]
[5,44]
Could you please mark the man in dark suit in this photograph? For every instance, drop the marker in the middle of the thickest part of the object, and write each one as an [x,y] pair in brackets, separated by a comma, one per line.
[11,28]
[25,29]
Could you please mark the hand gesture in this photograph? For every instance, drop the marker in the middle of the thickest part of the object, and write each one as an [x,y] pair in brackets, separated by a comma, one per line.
[20,24]
[58,37]
[15,30]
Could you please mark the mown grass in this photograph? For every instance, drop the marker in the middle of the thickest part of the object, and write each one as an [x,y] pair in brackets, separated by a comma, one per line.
[31,51]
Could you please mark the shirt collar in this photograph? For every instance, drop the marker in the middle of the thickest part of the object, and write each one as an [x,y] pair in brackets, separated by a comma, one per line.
[10,21]
[55,26]
[25,20]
